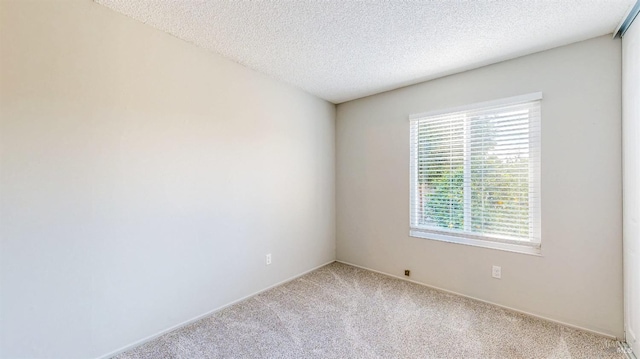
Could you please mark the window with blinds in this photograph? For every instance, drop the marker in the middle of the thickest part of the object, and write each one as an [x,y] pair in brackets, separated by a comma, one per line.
[475,174]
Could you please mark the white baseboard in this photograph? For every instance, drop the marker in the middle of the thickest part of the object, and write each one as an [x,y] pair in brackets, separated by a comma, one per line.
[626,349]
[201,316]
[195,319]
[487,302]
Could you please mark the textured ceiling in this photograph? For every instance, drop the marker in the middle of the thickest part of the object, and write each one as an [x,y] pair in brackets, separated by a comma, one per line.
[343,50]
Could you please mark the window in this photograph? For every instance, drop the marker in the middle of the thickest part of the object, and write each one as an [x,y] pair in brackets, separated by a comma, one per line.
[475,174]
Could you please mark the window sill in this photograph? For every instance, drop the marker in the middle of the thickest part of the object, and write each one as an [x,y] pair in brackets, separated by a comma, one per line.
[509,247]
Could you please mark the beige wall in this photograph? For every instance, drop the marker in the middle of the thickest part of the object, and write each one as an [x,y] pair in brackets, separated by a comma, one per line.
[143,180]
[578,279]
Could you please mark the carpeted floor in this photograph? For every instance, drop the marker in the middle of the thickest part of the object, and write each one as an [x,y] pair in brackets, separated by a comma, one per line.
[340,311]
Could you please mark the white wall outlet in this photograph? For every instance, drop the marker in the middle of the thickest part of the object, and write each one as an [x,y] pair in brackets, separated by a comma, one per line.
[496,272]
[267,258]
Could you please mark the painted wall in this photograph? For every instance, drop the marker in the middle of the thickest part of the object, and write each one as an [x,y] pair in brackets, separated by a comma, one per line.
[631,183]
[578,279]
[143,180]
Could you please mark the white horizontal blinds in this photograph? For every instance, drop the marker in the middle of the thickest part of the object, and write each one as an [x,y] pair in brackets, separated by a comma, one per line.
[475,173]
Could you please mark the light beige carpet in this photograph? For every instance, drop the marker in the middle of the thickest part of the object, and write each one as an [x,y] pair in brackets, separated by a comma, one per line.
[340,311]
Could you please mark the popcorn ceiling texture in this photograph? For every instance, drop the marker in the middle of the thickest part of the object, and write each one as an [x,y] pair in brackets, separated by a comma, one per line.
[340,311]
[341,50]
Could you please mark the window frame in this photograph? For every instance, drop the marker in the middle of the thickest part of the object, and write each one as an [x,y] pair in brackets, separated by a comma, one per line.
[518,246]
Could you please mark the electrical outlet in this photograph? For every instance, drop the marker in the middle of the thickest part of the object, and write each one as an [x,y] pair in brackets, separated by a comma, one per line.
[267,259]
[496,272]
[407,272]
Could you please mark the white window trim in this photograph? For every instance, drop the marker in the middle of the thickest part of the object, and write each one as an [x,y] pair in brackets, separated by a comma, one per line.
[504,101]
[531,248]
[524,248]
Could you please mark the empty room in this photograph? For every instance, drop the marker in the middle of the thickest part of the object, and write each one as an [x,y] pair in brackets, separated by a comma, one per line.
[319,179]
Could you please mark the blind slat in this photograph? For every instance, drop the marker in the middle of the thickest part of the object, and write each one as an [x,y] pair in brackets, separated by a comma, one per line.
[476,172]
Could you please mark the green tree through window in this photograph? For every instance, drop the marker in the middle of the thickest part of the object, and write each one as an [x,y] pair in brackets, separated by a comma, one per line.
[473,173]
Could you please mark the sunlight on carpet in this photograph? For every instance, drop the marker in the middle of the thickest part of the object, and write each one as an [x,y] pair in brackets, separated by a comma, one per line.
[340,311]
